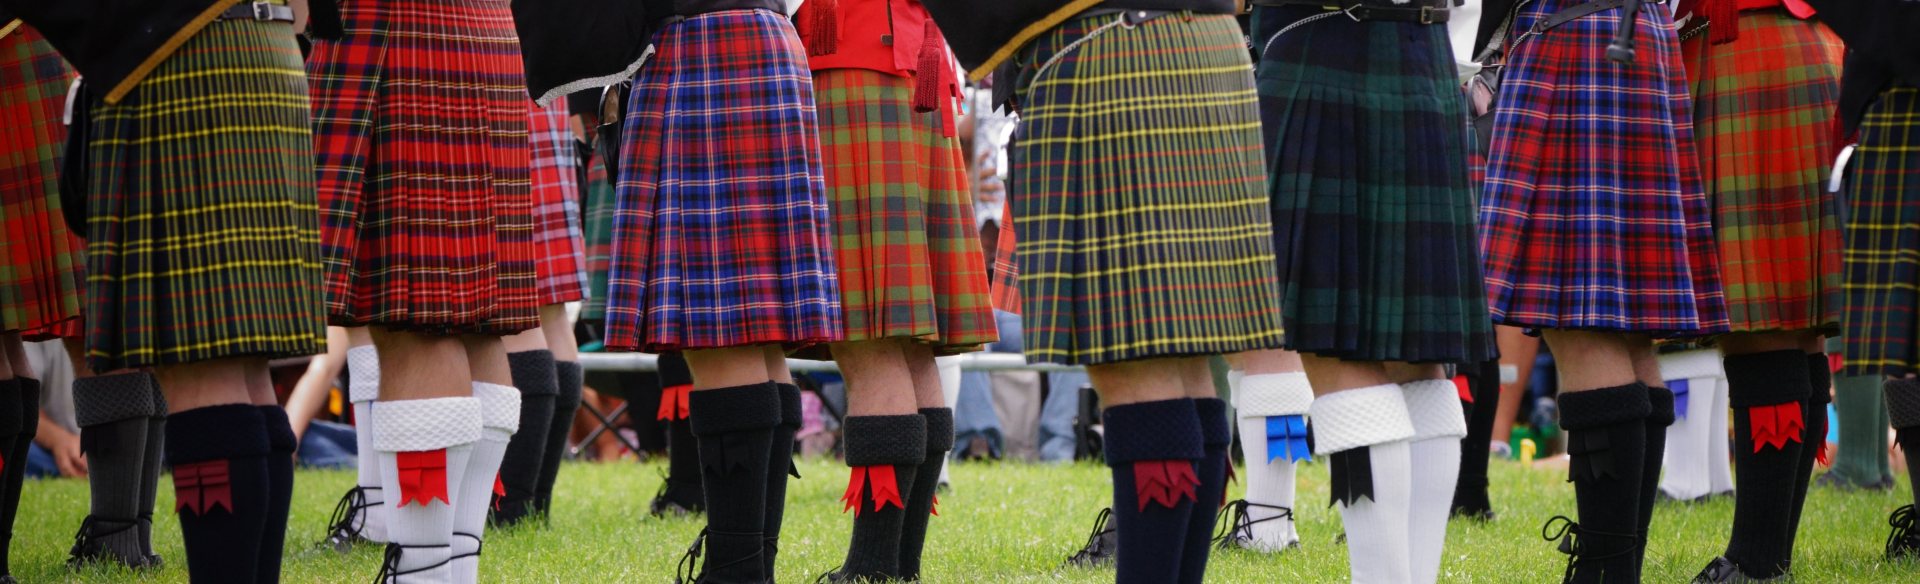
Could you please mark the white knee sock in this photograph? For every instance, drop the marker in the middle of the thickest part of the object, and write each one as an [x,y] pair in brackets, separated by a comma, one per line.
[436,438]
[500,418]
[949,390]
[1719,457]
[1438,426]
[363,385]
[1374,418]
[1685,464]
[1264,404]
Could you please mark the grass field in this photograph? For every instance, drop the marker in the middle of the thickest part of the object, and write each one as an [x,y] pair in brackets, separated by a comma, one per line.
[1001,523]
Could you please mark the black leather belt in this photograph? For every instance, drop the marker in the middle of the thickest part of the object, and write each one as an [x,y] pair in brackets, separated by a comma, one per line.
[1135,17]
[1421,12]
[259,11]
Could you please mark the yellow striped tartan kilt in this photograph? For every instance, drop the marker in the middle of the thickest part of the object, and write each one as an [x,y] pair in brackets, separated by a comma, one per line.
[1882,319]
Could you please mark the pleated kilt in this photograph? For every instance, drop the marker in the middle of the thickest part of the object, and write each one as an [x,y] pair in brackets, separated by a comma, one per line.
[599,203]
[1373,203]
[1594,217]
[557,240]
[1764,111]
[420,116]
[721,233]
[1138,187]
[42,264]
[1006,268]
[1883,231]
[909,260]
[203,240]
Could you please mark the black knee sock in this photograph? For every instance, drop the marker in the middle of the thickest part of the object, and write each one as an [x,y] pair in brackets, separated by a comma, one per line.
[1606,443]
[1154,449]
[683,453]
[1470,491]
[151,465]
[221,490]
[282,447]
[1819,394]
[10,419]
[16,475]
[1903,412]
[779,468]
[114,412]
[913,535]
[1660,416]
[534,376]
[1216,437]
[885,453]
[1768,392]
[565,403]
[734,426]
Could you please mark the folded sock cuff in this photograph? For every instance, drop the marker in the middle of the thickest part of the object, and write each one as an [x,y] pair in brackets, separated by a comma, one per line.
[1903,403]
[1273,394]
[105,399]
[570,375]
[790,415]
[939,429]
[1764,379]
[216,433]
[733,409]
[1352,418]
[1695,364]
[1660,407]
[873,440]
[420,425]
[1434,407]
[534,372]
[280,438]
[1215,430]
[1607,406]
[1156,430]
[159,398]
[1819,379]
[363,374]
[499,406]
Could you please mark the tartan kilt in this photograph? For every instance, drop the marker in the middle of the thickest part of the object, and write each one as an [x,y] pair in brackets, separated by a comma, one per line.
[420,117]
[1373,200]
[1593,216]
[203,240]
[1138,182]
[557,240]
[1764,123]
[720,236]
[1883,207]
[1006,269]
[598,240]
[909,260]
[42,264]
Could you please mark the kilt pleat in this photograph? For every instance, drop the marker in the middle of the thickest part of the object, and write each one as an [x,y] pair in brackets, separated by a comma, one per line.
[1764,123]
[1139,192]
[1373,204]
[421,118]
[1881,324]
[557,241]
[42,263]
[203,236]
[909,261]
[1593,216]
[721,233]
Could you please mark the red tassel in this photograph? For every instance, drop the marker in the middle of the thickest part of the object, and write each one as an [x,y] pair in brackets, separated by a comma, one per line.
[927,74]
[936,505]
[821,23]
[886,488]
[423,477]
[1164,482]
[1723,20]
[1776,424]
[202,486]
[1820,455]
[673,403]
[1460,385]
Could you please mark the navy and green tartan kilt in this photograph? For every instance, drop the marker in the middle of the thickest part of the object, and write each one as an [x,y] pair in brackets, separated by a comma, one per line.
[204,229]
[1373,204]
[1883,232]
[1138,185]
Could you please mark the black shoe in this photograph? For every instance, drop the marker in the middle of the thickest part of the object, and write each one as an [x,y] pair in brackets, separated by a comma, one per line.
[1905,540]
[1237,528]
[1723,571]
[349,518]
[88,549]
[665,506]
[1101,544]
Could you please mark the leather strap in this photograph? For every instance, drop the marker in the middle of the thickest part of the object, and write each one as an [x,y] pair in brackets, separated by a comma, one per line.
[1576,12]
[259,11]
[1423,12]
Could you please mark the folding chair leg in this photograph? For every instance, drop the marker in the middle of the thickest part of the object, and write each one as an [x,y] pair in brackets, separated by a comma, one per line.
[605,424]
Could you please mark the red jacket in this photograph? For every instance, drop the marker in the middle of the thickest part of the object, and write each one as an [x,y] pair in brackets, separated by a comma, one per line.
[895,37]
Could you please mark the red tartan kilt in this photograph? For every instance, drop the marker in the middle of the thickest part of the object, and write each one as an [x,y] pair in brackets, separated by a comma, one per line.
[559,252]
[42,264]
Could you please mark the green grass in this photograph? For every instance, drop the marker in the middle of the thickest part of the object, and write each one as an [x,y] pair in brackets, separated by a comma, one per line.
[1002,523]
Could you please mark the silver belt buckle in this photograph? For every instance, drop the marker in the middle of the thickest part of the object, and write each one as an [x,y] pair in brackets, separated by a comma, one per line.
[262,11]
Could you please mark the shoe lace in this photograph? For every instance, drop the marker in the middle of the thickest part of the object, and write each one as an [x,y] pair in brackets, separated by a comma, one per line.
[348,521]
[85,538]
[390,565]
[1573,539]
[1093,546]
[1902,521]
[1239,523]
[478,545]
[690,570]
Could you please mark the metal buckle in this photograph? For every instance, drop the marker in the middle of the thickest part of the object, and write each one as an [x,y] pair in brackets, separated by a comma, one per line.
[262,11]
[1426,15]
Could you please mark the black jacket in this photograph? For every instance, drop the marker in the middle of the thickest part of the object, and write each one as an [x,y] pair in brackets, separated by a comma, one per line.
[1883,44]
[985,33]
[573,45]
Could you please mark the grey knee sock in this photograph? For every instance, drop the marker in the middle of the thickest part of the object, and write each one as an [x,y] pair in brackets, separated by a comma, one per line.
[114,412]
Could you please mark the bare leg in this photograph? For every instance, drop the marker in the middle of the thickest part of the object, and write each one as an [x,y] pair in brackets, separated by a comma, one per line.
[879,383]
[415,366]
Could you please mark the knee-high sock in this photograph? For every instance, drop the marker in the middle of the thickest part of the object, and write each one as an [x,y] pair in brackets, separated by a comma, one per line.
[151,465]
[734,426]
[565,404]
[1769,391]
[1862,449]
[1606,443]
[113,412]
[1693,377]
[534,375]
[1819,394]
[424,447]
[363,386]
[884,452]
[1272,410]
[1903,413]
[913,535]
[500,411]
[221,489]
[1365,434]
[1470,491]
[1153,449]
[1719,465]
[1438,425]
[779,468]
[10,422]
[950,393]
[1216,437]
[1659,418]
[282,447]
[683,452]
